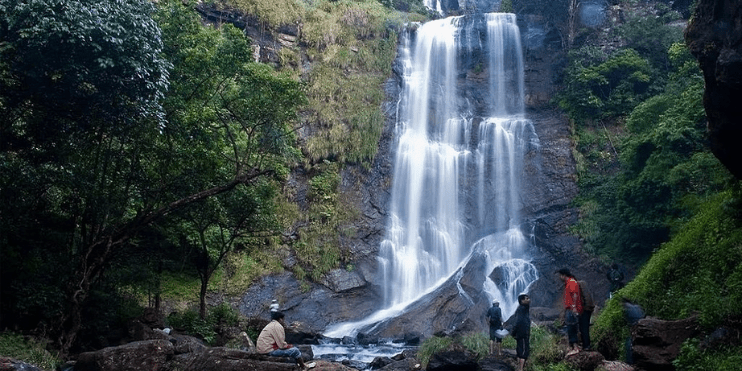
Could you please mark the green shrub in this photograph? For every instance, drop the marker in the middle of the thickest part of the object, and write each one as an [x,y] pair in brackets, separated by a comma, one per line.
[431,346]
[544,346]
[217,318]
[506,6]
[698,272]
[478,343]
[550,367]
[693,358]
[607,88]
[27,349]
[224,315]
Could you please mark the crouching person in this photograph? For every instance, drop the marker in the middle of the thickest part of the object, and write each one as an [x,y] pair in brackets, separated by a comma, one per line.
[272,341]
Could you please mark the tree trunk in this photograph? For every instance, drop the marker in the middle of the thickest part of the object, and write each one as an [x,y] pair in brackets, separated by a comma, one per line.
[98,253]
[574,5]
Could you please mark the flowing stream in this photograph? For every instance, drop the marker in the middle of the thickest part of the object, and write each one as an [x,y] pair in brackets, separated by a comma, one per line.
[458,165]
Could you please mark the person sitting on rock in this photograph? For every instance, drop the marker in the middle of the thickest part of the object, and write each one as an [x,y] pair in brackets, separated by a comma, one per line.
[272,341]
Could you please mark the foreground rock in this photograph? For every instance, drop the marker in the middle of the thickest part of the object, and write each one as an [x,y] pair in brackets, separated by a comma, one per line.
[585,360]
[9,364]
[656,343]
[165,355]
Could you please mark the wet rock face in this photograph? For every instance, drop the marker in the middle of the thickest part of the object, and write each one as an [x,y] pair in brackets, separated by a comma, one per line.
[715,39]
[656,343]
[353,294]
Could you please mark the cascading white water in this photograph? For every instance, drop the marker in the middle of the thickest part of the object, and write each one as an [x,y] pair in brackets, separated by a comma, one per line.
[425,231]
[447,156]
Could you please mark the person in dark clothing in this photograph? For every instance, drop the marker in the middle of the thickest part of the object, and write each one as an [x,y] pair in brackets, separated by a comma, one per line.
[615,277]
[522,330]
[494,316]
[588,306]
[633,313]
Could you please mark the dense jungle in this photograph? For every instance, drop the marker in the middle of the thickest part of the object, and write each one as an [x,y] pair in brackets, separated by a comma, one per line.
[197,159]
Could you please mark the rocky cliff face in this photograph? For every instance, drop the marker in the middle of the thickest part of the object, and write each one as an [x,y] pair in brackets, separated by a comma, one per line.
[353,294]
[715,39]
[347,295]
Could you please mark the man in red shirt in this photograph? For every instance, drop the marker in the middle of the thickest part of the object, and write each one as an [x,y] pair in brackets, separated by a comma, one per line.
[572,307]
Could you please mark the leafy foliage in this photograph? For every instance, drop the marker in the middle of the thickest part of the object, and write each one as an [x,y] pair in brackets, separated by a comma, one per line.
[697,272]
[665,170]
[506,6]
[28,350]
[609,88]
[477,343]
[693,357]
[79,103]
[544,348]
[95,153]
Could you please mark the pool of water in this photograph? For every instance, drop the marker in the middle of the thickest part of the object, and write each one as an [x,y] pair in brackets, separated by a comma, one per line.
[357,356]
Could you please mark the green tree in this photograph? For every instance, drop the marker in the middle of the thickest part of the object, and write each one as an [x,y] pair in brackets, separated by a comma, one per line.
[597,88]
[81,86]
[93,153]
[210,230]
[666,170]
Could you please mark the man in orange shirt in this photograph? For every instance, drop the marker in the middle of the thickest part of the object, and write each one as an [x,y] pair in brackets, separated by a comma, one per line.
[572,307]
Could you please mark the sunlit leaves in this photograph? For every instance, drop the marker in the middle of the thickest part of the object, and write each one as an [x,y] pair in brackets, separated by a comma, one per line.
[611,87]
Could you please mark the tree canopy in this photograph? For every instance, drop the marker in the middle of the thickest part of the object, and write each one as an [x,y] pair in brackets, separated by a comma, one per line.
[113,118]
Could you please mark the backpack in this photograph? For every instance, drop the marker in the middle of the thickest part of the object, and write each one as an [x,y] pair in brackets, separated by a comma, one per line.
[587,299]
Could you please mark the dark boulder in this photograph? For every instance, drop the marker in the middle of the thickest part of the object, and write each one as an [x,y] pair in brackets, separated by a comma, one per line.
[585,360]
[217,359]
[656,342]
[380,362]
[494,364]
[715,39]
[366,339]
[299,334]
[614,366]
[184,353]
[9,364]
[454,358]
[409,338]
[186,344]
[405,361]
[139,355]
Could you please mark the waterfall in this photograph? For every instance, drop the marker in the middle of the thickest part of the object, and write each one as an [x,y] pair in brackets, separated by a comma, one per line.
[458,166]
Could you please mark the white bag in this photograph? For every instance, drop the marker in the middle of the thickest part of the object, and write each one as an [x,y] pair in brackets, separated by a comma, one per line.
[501,333]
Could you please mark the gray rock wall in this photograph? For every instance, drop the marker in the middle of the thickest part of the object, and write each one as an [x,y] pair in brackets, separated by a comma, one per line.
[550,181]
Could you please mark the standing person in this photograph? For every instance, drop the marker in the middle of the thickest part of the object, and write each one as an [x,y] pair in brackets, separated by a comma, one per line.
[572,307]
[522,330]
[494,315]
[588,306]
[272,341]
[615,277]
[633,313]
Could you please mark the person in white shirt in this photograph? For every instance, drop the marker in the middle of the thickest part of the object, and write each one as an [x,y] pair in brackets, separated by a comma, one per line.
[272,341]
